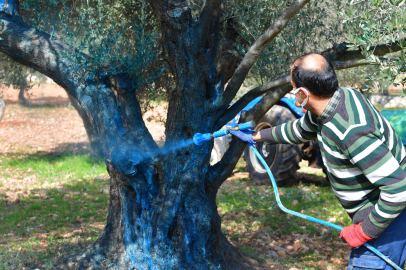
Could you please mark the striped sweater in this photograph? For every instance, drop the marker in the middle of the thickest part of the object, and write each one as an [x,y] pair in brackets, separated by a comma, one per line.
[363,155]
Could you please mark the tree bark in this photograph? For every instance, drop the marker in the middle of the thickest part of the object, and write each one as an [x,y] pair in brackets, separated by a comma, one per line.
[96,148]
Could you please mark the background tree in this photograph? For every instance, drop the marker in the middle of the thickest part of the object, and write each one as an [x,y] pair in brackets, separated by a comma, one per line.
[19,77]
[162,208]
[16,75]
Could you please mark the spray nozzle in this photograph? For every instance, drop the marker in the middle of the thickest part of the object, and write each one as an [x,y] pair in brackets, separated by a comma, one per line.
[199,138]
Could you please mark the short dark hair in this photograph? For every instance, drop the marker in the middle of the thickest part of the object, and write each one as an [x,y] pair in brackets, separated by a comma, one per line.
[321,82]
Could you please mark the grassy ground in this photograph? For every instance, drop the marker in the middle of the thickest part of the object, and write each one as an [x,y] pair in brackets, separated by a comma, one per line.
[49,204]
[52,204]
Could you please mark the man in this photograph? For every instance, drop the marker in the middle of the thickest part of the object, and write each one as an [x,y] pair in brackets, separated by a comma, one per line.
[363,155]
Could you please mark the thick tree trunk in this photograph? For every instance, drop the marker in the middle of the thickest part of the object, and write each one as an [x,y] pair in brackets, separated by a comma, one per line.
[162,214]
[134,239]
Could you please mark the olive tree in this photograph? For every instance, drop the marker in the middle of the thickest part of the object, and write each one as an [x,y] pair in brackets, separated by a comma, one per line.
[162,208]
[380,22]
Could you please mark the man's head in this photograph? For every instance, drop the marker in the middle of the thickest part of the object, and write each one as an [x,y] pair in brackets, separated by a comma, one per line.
[315,73]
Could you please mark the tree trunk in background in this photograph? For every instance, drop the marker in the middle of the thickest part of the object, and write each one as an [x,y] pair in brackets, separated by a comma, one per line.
[21,99]
[96,148]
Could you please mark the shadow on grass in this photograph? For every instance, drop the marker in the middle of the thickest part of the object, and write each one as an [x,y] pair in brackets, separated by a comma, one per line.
[60,152]
[80,148]
[312,180]
[40,258]
[42,102]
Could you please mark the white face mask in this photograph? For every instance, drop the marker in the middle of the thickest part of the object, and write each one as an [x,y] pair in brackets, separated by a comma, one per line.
[307,95]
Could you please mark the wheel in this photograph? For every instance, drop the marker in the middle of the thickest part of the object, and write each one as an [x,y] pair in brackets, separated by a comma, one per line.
[282,159]
[219,148]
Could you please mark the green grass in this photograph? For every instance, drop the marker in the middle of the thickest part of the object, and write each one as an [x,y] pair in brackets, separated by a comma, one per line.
[54,165]
[317,201]
[61,198]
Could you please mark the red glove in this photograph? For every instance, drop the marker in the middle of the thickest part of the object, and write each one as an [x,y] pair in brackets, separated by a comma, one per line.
[354,235]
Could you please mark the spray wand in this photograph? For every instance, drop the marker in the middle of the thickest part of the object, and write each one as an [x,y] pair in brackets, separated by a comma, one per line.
[199,139]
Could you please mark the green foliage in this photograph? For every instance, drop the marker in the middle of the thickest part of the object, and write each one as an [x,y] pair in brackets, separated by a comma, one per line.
[364,78]
[313,29]
[16,75]
[378,22]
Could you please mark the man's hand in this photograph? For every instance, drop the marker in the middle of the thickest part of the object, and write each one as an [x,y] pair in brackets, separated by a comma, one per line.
[245,135]
[354,235]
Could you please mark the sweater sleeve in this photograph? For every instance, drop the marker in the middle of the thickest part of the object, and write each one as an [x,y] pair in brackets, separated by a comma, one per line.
[298,131]
[375,160]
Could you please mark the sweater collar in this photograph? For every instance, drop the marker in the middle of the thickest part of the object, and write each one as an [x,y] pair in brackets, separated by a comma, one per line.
[330,108]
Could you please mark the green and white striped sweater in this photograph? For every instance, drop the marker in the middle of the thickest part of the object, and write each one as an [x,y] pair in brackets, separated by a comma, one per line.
[364,157]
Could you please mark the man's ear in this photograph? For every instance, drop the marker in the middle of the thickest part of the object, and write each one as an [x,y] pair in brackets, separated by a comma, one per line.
[305,93]
[302,93]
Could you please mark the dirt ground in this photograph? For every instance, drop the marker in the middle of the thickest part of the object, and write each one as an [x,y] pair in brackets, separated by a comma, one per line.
[54,125]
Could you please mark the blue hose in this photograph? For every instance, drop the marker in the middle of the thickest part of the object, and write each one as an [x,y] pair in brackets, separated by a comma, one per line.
[332,225]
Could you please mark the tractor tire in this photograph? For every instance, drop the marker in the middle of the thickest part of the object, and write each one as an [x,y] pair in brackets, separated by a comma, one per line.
[282,159]
[219,148]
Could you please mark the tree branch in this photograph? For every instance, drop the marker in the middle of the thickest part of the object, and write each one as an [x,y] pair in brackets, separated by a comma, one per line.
[170,11]
[205,18]
[338,65]
[249,96]
[229,57]
[340,51]
[256,49]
